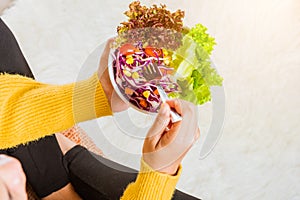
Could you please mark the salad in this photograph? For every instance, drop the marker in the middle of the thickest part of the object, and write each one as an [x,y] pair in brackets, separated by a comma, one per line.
[156,36]
[128,69]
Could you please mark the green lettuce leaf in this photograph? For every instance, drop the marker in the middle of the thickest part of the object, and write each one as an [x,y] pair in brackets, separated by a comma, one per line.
[194,72]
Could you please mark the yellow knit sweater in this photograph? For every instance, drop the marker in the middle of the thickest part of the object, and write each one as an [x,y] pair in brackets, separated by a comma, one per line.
[30,110]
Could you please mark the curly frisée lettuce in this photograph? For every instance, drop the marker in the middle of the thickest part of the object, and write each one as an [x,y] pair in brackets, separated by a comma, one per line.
[203,39]
[194,72]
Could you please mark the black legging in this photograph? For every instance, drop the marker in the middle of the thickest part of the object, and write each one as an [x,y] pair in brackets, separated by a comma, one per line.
[11,58]
[93,176]
[90,174]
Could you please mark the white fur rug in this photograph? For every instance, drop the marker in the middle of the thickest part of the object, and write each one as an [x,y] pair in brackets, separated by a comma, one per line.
[258,54]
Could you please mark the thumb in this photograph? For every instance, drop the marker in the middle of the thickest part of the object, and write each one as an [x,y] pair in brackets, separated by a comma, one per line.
[161,122]
[104,57]
[107,47]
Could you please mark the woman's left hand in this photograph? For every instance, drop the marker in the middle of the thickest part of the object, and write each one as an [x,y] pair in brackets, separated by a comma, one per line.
[12,179]
[116,103]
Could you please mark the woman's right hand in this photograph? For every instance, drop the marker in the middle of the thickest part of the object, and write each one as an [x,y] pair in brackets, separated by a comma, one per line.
[166,144]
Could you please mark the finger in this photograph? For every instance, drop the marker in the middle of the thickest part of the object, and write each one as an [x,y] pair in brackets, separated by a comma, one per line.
[3,191]
[13,177]
[18,192]
[117,104]
[175,104]
[168,137]
[187,132]
[107,47]
[161,122]
[16,186]
[104,56]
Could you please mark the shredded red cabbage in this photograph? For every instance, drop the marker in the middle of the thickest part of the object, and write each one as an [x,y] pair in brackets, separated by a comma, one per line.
[128,75]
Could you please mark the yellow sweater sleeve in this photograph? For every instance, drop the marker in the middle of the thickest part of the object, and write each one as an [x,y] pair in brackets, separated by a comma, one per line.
[151,185]
[30,110]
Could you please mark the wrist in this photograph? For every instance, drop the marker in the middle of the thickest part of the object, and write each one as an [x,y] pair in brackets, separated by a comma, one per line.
[106,85]
[171,170]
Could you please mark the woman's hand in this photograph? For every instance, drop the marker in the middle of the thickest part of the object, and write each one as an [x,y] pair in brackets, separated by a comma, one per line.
[116,103]
[166,143]
[12,179]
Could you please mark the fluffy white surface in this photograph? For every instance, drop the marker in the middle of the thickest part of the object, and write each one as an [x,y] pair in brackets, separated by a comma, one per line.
[258,54]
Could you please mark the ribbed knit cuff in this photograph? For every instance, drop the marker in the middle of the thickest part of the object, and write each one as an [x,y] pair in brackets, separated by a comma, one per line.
[156,185]
[89,100]
[31,110]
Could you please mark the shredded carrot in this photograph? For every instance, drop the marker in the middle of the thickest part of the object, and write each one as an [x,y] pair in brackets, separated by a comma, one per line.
[128,91]
[143,103]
